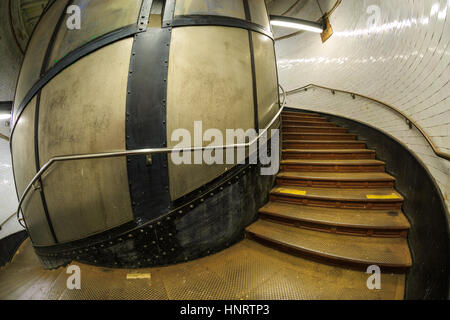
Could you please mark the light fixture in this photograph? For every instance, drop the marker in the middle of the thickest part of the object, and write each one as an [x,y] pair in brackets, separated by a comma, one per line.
[295,23]
[5,116]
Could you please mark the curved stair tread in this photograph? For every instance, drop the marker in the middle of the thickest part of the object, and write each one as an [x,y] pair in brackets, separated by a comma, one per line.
[295,113]
[350,162]
[351,218]
[306,123]
[334,136]
[316,130]
[384,252]
[337,176]
[326,141]
[328,151]
[372,194]
[302,118]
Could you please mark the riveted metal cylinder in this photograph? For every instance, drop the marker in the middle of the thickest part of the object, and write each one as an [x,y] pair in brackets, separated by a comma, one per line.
[131,75]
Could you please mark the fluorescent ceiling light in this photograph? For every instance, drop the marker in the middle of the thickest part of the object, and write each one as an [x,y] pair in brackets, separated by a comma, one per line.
[5,116]
[294,23]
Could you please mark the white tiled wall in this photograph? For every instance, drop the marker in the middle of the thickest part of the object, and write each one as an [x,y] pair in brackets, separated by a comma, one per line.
[8,197]
[402,59]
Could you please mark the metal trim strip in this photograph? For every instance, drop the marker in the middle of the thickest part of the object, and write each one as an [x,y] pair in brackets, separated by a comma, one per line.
[146,122]
[209,20]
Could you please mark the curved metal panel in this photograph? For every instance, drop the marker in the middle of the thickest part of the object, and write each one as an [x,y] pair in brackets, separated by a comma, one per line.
[201,88]
[266,78]
[229,8]
[82,110]
[258,13]
[23,153]
[37,47]
[98,17]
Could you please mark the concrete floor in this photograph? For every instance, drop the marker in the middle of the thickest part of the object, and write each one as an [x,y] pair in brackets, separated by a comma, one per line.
[247,270]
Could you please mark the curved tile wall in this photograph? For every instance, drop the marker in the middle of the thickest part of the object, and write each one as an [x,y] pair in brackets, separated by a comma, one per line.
[394,51]
[8,197]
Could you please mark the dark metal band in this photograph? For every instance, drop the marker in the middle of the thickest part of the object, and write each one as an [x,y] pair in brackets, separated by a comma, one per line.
[169,11]
[144,14]
[146,123]
[252,62]
[38,167]
[36,118]
[209,20]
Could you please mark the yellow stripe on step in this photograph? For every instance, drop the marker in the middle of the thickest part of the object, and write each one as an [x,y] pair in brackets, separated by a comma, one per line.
[135,276]
[382,197]
[291,191]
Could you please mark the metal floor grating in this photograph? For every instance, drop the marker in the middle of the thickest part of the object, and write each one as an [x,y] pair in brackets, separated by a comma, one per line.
[247,270]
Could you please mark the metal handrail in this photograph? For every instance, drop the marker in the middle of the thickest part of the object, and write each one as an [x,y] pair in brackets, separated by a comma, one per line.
[410,122]
[2,136]
[283,104]
[116,154]
[7,219]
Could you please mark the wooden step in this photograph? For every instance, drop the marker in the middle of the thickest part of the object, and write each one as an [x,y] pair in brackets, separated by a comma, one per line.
[363,251]
[381,223]
[336,179]
[322,144]
[373,198]
[306,114]
[305,129]
[303,118]
[319,136]
[333,165]
[330,154]
[309,123]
